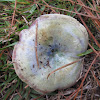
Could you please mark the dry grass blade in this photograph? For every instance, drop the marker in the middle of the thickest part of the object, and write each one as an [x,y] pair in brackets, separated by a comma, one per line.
[93,49]
[63,67]
[70,11]
[48,6]
[36,44]
[96,78]
[38,97]
[83,6]
[1,53]
[81,92]
[89,32]
[26,86]
[13,14]
[13,17]
[95,21]
[19,94]
[85,76]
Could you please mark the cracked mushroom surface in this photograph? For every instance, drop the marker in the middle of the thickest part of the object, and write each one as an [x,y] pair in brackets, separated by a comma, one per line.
[52,41]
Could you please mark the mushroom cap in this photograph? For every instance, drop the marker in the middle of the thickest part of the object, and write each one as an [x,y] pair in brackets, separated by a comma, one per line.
[52,41]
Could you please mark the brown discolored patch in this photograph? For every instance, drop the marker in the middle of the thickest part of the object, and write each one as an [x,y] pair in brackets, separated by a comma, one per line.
[14,57]
[25,80]
[16,65]
[42,37]
[21,76]
[14,52]
[41,91]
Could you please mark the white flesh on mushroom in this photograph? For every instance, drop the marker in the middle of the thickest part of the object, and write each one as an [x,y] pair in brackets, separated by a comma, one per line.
[60,39]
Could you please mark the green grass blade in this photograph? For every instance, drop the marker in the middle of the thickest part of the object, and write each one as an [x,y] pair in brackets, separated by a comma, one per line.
[85,53]
[10,45]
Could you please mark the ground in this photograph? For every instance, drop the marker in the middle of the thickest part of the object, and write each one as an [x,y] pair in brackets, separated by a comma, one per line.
[16,15]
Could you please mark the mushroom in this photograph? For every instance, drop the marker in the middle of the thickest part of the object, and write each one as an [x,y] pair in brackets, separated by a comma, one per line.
[52,41]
